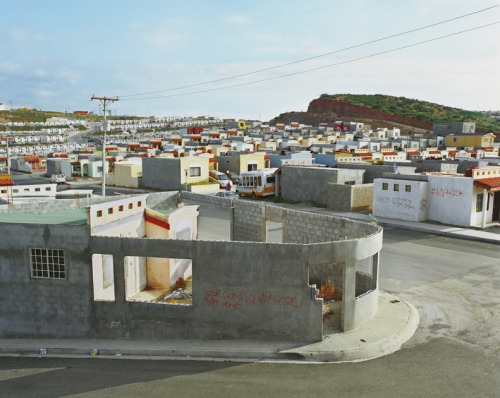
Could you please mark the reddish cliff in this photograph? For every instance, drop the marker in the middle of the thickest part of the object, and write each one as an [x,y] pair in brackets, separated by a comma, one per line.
[344,109]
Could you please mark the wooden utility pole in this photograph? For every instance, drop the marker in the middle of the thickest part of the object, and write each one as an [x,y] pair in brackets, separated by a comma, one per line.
[104,101]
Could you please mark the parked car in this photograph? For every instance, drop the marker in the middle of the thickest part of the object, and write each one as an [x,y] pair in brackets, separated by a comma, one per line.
[228,194]
[234,177]
[220,178]
[58,178]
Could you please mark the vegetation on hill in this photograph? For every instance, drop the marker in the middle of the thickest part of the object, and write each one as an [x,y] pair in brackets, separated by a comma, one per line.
[419,110]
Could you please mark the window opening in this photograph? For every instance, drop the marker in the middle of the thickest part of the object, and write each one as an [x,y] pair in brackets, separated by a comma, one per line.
[103,277]
[158,280]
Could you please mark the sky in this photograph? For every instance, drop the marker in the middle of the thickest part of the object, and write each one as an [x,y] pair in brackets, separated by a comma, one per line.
[55,55]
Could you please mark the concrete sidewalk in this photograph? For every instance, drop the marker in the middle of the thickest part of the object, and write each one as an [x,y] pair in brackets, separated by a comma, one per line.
[395,322]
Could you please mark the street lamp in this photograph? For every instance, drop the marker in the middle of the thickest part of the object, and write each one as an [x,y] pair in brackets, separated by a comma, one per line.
[186,172]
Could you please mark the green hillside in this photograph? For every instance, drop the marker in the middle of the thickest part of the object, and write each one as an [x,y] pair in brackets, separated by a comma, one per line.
[420,110]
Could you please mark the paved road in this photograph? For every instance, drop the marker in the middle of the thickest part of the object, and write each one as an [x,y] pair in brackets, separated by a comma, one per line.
[455,352]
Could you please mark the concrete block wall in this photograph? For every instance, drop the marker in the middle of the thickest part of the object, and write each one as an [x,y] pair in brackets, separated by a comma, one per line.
[234,296]
[305,227]
[206,200]
[44,307]
[362,197]
[339,197]
[249,221]
[310,184]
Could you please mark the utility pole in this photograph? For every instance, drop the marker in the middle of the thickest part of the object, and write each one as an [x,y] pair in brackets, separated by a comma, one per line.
[104,101]
[8,164]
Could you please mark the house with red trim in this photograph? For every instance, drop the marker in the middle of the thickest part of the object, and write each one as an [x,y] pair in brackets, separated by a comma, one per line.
[145,277]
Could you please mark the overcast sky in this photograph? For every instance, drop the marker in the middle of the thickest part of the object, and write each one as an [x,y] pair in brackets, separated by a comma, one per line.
[56,54]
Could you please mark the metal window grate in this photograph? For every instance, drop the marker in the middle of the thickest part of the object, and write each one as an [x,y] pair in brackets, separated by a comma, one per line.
[47,263]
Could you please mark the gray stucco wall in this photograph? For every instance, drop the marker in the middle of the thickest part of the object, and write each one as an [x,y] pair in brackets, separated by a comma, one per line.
[231,163]
[44,307]
[310,184]
[162,200]
[161,173]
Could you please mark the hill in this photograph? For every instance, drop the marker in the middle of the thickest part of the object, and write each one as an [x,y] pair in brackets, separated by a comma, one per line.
[409,114]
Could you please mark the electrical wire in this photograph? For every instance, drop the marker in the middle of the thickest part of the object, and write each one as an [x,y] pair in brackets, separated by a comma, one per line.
[317,68]
[311,58]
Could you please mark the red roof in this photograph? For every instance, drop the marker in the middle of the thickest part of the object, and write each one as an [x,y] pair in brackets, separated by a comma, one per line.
[491,184]
[434,152]
[389,154]
[75,163]
[213,160]
[6,181]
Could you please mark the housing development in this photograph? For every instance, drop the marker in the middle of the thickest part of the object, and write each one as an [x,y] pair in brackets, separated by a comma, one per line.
[106,237]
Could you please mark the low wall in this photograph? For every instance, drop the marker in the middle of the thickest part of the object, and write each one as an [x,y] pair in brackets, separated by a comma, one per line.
[202,188]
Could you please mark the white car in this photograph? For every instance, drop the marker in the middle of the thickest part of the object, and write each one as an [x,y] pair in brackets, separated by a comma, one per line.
[228,194]
[58,178]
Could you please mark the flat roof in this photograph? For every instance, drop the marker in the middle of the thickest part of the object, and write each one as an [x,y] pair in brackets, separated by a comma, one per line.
[63,217]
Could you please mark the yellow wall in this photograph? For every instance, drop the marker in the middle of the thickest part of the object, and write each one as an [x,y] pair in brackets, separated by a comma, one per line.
[186,163]
[125,175]
[475,141]
[245,159]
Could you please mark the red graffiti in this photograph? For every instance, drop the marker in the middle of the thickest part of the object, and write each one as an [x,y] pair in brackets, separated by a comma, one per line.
[446,192]
[237,301]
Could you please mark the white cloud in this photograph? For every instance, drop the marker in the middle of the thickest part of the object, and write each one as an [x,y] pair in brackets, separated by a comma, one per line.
[237,19]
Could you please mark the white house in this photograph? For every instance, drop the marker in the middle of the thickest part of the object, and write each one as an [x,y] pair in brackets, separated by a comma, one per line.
[467,201]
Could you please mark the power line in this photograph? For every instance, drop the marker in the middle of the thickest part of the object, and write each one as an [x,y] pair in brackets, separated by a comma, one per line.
[311,58]
[317,68]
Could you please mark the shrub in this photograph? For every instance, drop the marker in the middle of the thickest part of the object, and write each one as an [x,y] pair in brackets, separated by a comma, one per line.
[179,284]
[326,291]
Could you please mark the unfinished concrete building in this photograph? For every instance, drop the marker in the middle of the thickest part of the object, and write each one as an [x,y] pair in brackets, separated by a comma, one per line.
[82,276]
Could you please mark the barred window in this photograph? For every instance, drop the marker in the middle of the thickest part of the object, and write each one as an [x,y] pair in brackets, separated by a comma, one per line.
[47,263]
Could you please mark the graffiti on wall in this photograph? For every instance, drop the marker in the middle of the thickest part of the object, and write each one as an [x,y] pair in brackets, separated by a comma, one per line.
[240,301]
[447,193]
[423,204]
[396,201]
